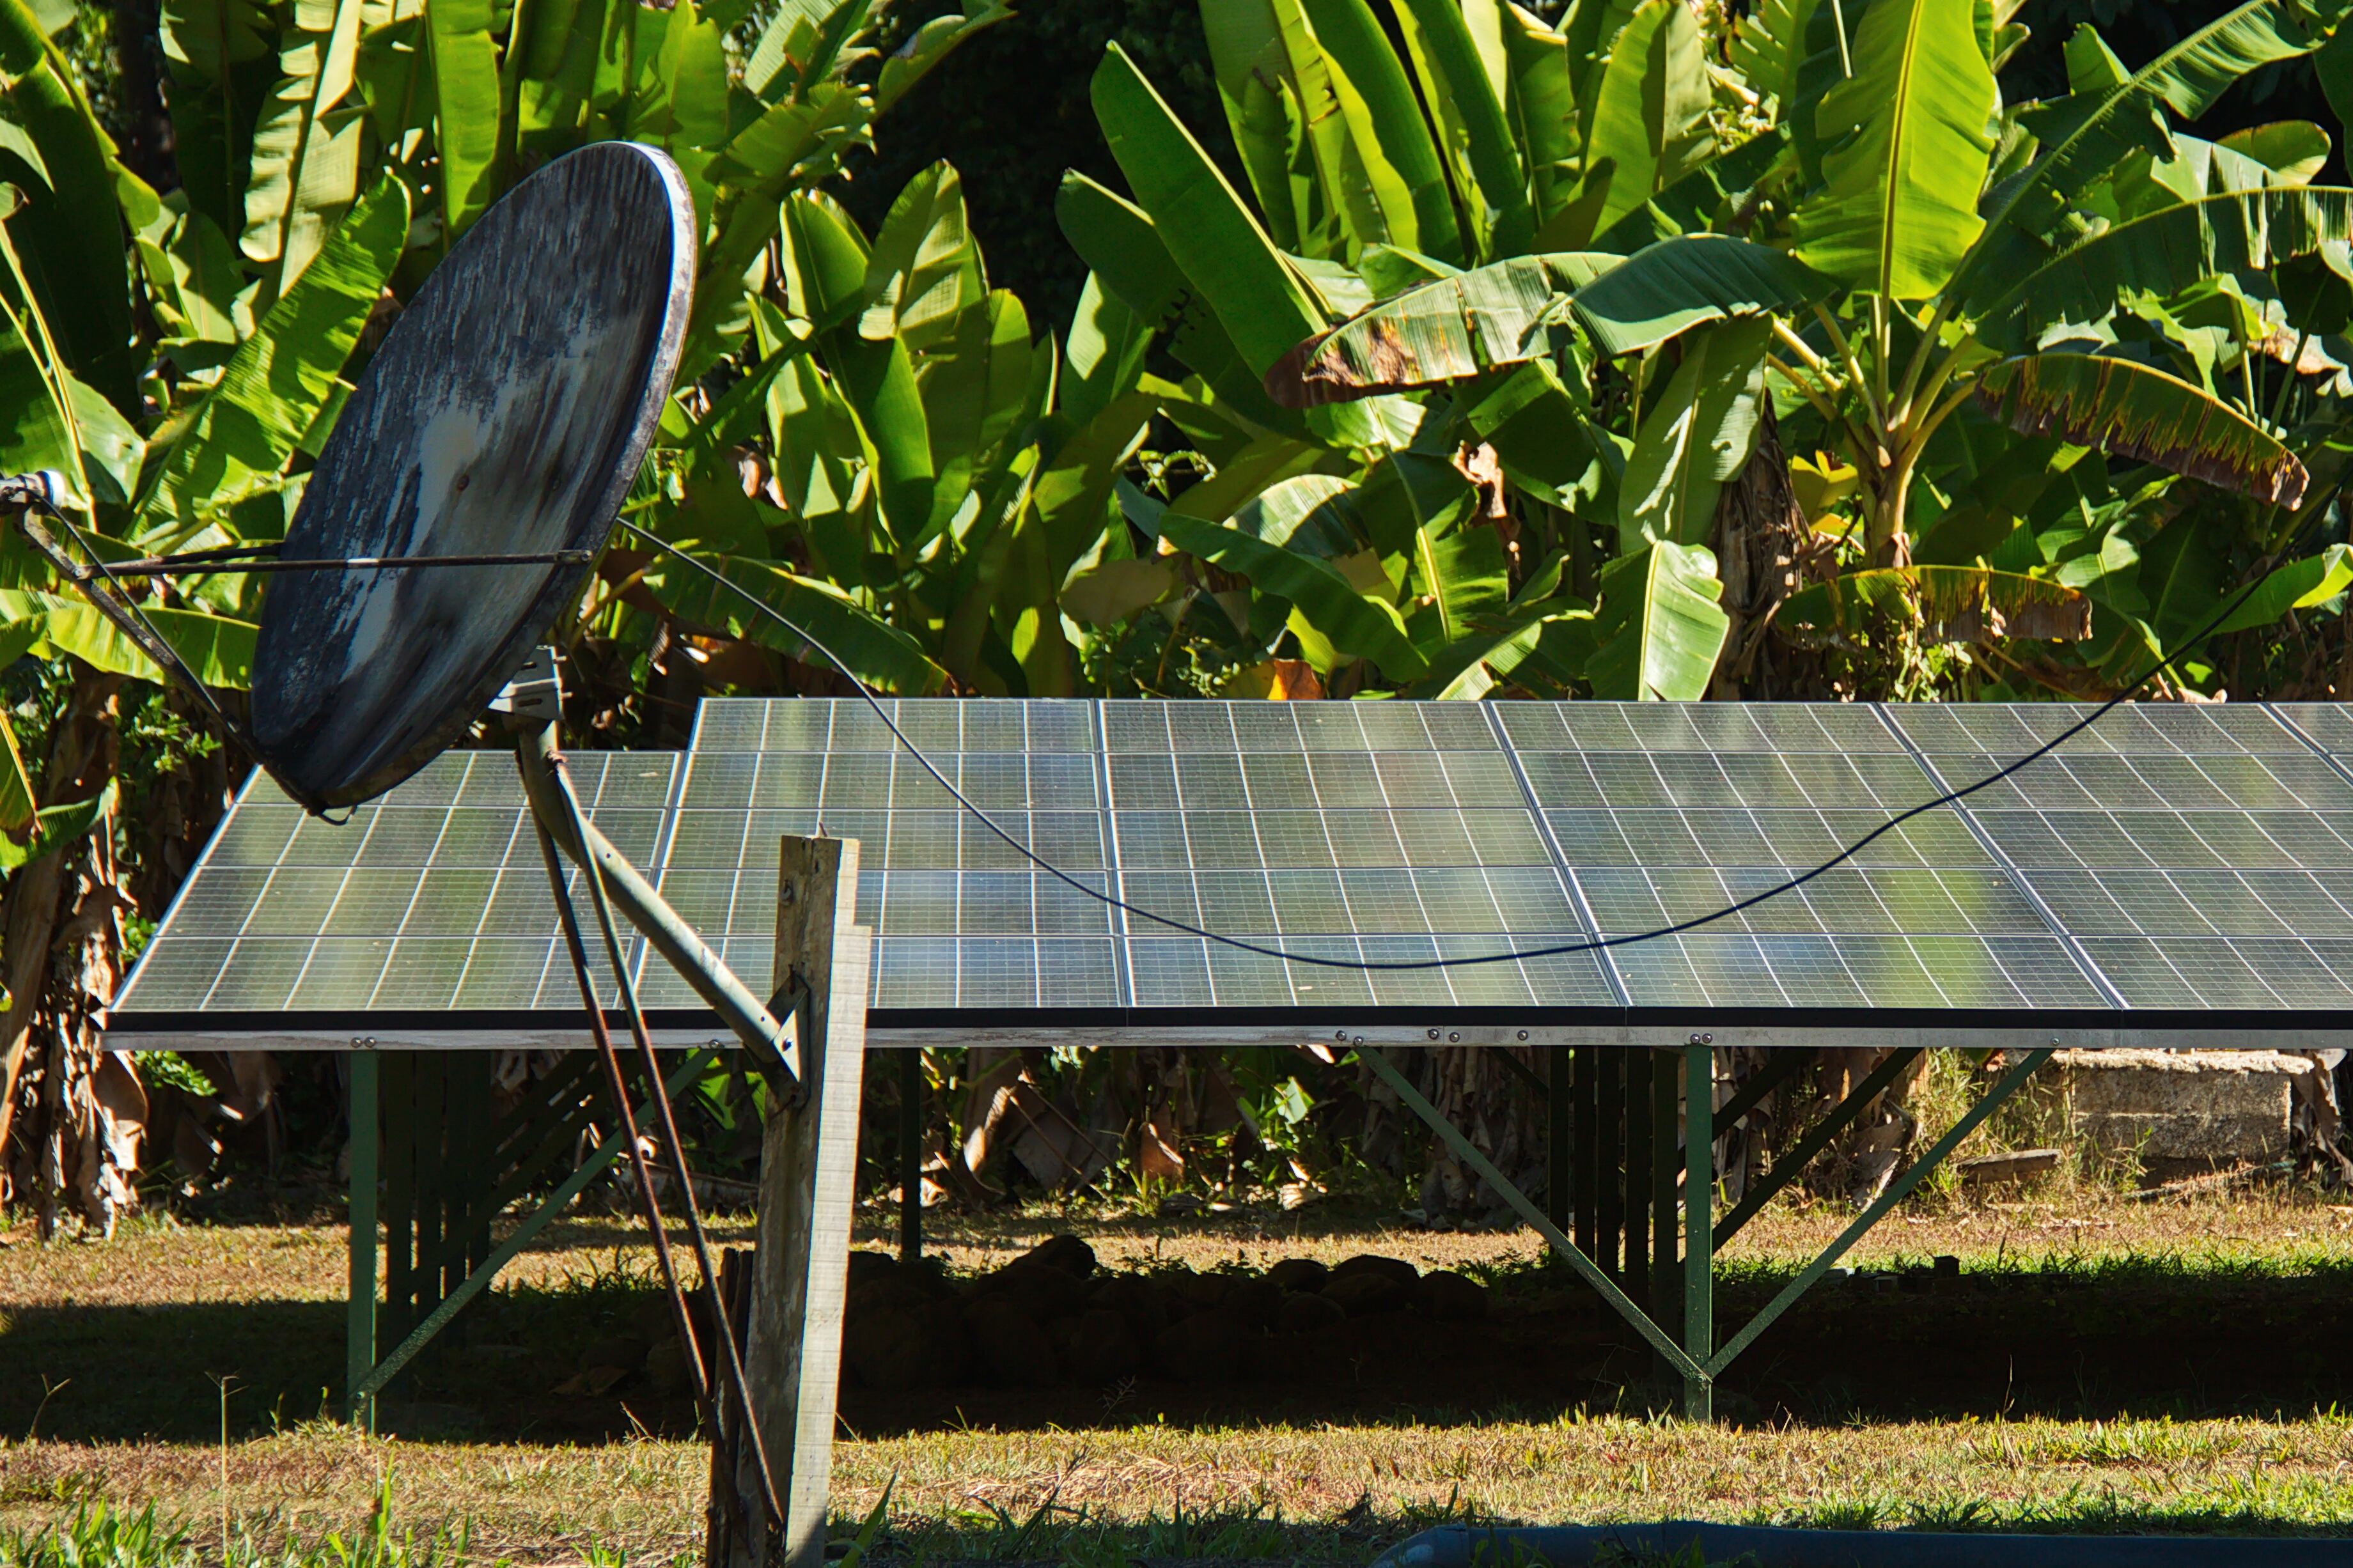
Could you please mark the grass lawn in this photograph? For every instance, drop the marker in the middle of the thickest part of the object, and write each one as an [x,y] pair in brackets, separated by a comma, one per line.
[107,1353]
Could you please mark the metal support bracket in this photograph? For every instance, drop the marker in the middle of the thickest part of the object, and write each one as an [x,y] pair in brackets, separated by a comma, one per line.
[1696,1360]
[364,1381]
[1526,1207]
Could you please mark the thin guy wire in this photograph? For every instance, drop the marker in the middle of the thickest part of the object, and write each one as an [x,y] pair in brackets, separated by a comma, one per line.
[179,666]
[618,1086]
[1564,949]
[594,875]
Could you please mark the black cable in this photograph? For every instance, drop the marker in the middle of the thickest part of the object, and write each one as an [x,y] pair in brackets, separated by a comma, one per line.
[1565,950]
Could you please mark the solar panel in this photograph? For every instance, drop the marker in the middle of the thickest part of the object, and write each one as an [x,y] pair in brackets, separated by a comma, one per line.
[431,898]
[2190,849]
[2191,861]
[1665,814]
[1365,832]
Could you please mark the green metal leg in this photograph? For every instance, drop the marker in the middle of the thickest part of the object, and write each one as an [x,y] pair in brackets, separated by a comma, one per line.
[695,1064]
[911,1156]
[1635,1113]
[1699,1225]
[1560,1146]
[359,1347]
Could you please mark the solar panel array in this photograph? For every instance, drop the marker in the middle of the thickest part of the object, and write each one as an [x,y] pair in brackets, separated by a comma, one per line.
[2173,858]
[431,898]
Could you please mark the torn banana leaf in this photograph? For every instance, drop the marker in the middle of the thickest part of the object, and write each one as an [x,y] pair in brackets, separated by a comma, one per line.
[2132,410]
[1949,603]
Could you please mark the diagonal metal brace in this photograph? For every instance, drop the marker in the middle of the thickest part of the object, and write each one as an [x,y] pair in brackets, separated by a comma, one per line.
[533,1223]
[771,1044]
[1897,1190]
[1464,1150]
[1785,1169]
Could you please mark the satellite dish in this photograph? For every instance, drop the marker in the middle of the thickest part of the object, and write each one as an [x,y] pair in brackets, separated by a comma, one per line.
[506,414]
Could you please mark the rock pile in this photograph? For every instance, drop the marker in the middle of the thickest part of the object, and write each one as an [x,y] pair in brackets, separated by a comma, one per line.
[1052,1317]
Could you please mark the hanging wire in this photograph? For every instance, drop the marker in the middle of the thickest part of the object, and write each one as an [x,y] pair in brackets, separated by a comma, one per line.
[1561,950]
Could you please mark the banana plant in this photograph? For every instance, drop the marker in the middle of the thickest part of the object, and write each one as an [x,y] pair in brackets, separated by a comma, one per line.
[1414,574]
[902,471]
[1916,253]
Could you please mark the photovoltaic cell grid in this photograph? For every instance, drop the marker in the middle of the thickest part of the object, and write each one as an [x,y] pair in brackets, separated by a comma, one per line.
[1359,832]
[2171,858]
[431,898]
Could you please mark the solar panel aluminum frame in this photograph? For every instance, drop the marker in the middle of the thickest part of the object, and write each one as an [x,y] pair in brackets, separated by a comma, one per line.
[1623,1023]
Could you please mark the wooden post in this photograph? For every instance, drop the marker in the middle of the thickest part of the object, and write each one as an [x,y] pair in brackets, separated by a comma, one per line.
[809,1170]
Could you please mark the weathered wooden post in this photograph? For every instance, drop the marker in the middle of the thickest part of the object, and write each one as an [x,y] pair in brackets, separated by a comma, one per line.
[808,1167]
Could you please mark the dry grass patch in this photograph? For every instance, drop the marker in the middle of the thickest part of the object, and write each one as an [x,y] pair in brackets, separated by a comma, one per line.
[1327,1494]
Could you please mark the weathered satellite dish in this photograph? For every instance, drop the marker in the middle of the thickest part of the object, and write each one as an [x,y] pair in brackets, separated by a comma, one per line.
[506,414]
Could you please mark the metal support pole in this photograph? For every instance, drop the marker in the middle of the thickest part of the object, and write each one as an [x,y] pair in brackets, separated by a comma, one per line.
[1559,1143]
[911,1155]
[1636,1112]
[1666,1143]
[397,1086]
[1587,1186]
[1699,1215]
[359,1345]
[1610,1158]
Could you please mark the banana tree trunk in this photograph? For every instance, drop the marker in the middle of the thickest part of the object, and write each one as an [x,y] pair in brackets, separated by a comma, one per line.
[71,1113]
[1764,545]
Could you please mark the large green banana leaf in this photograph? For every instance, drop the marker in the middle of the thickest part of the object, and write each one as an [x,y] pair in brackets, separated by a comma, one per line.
[1770,47]
[68,230]
[34,433]
[2163,252]
[1465,580]
[924,270]
[1103,353]
[306,145]
[1658,629]
[1695,437]
[17,799]
[825,272]
[1398,138]
[217,650]
[1951,603]
[1901,206]
[1211,236]
[207,46]
[2134,410]
[466,118]
[1123,246]
[275,383]
[1374,201]
[877,653]
[1679,283]
[2299,585]
[1704,198]
[1474,135]
[1247,59]
[1648,125]
[1442,331]
[2085,135]
[928,44]
[1258,543]
[1542,108]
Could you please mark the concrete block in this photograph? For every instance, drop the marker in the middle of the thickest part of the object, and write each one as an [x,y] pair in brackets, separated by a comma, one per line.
[2188,1110]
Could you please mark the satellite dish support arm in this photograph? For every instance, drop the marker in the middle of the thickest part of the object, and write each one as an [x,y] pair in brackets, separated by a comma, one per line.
[771,1044]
